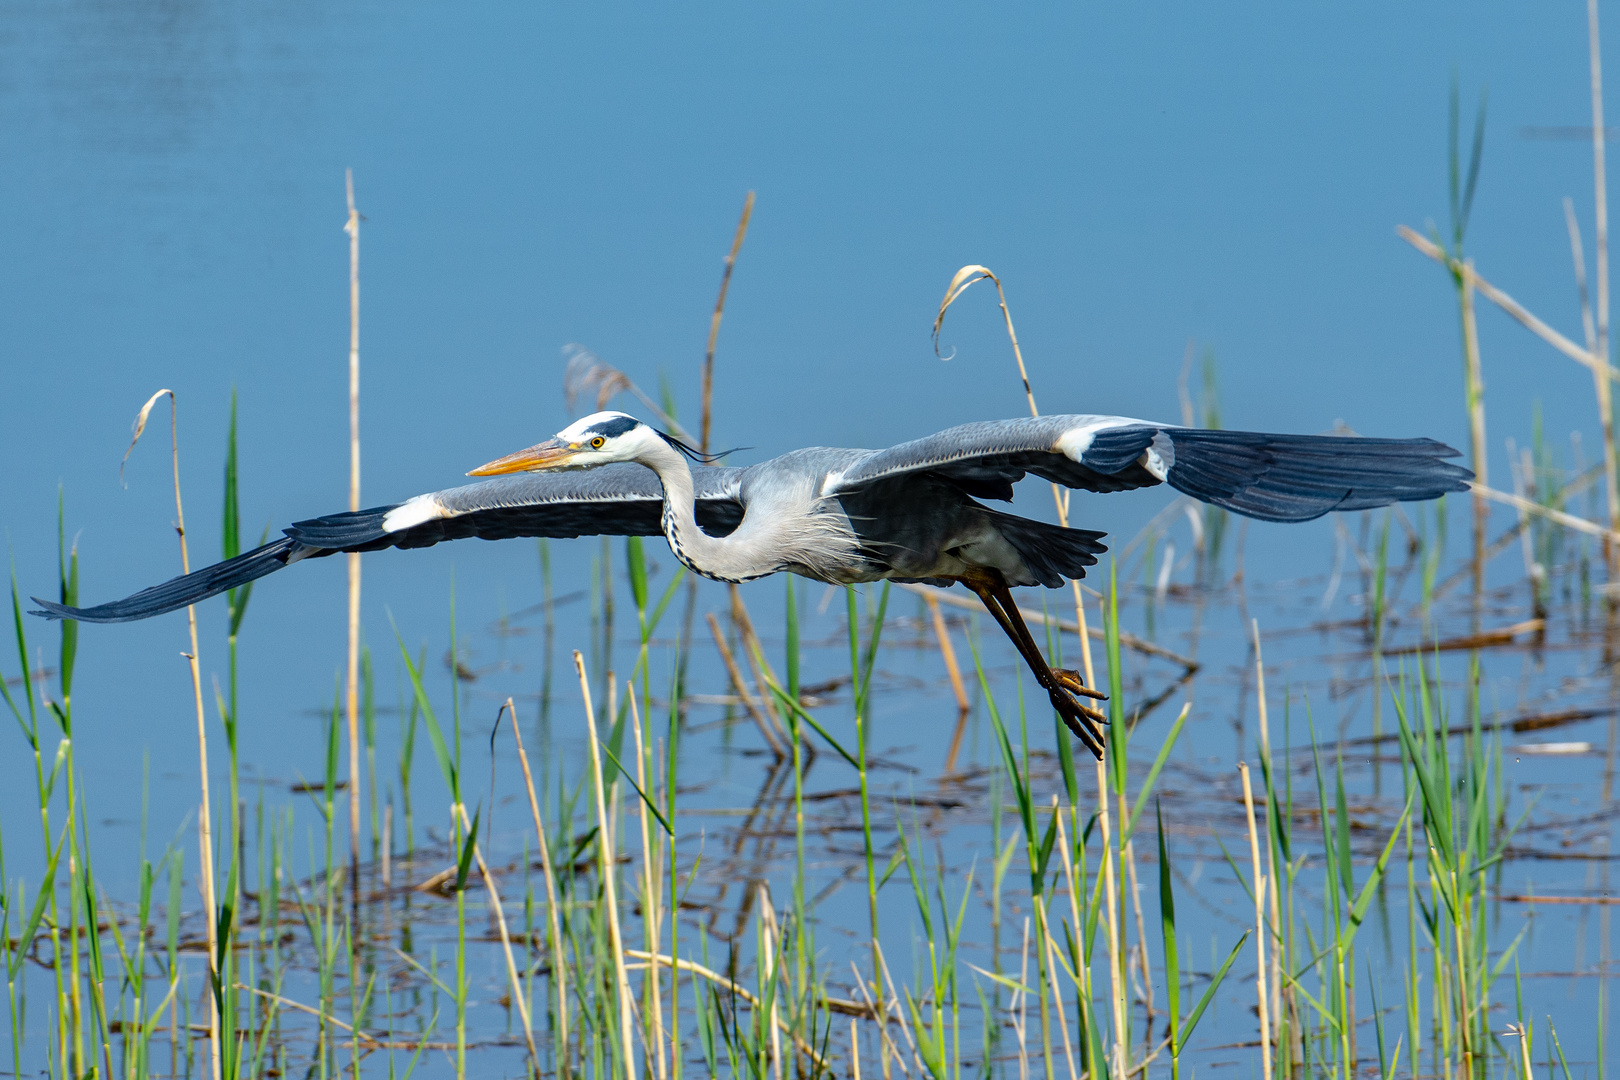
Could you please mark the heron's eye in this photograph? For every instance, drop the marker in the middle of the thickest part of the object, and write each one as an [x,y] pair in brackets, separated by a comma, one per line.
[596,443]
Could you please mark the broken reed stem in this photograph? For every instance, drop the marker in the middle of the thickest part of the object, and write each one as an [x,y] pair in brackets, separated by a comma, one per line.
[352,697]
[694,968]
[652,917]
[1512,307]
[714,320]
[1569,521]
[741,687]
[559,971]
[605,862]
[506,939]
[205,828]
[1259,922]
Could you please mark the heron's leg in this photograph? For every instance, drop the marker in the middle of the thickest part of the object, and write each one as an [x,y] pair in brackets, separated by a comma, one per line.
[1079,719]
[1066,678]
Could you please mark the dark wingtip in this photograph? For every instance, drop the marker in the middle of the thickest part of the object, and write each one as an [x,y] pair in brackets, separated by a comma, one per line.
[52,611]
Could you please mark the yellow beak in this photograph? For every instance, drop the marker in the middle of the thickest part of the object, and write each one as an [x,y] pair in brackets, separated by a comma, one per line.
[550,454]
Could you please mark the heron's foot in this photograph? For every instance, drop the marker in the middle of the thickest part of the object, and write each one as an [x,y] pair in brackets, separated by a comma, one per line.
[1070,680]
[1083,721]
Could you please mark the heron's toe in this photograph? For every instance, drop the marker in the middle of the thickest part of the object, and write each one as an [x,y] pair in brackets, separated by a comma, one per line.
[1071,681]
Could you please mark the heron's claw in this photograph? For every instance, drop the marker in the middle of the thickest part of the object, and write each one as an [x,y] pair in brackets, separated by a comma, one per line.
[1080,719]
[1071,681]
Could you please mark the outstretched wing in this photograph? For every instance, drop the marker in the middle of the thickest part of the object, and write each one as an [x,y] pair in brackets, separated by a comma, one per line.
[1269,477]
[614,500]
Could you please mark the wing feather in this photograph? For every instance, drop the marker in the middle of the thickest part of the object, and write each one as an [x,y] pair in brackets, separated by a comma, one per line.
[614,500]
[1264,476]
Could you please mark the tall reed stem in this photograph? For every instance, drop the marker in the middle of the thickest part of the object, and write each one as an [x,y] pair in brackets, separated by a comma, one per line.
[714,320]
[352,698]
[1601,215]
[205,828]
[605,861]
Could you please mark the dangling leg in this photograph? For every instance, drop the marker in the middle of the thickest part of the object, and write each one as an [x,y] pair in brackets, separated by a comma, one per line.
[1060,685]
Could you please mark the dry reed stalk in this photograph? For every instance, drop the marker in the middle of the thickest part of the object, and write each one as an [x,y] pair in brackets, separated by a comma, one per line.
[1569,521]
[604,852]
[1273,892]
[1578,255]
[741,686]
[741,991]
[758,666]
[854,1052]
[352,702]
[899,1013]
[1476,419]
[1057,1003]
[506,939]
[1259,923]
[886,1046]
[714,320]
[205,828]
[965,279]
[947,653]
[1110,906]
[1052,954]
[1600,354]
[1022,1021]
[652,917]
[767,972]
[559,971]
[1512,307]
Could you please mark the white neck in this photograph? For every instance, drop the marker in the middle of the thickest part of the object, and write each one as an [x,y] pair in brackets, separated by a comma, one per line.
[717,557]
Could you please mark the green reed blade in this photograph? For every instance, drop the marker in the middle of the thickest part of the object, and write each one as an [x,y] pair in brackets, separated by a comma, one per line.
[441,751]
[1153,774]
[42,899]
[1209,992]
[1167,929]
[631,780]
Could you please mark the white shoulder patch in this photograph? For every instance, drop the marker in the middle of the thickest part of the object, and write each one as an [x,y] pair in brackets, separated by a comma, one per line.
[1074,443]
[414,512]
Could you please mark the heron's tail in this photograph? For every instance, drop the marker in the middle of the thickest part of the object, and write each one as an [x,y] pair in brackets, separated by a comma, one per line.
[187,588]
[1301,477]
[1053,554]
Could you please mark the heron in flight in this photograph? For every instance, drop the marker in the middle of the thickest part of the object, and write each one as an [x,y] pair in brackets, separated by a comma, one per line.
[911,513]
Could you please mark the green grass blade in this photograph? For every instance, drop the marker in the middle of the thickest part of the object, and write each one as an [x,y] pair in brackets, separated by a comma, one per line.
[1209,993]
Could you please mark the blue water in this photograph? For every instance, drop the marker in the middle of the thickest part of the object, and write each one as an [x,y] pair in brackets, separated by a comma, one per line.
[171,204]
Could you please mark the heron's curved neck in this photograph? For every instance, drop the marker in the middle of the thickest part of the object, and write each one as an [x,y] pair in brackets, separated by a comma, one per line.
[715,557]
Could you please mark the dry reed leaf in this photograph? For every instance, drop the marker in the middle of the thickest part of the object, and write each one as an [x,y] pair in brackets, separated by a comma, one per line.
[965,279]
[588,373]
[139,427]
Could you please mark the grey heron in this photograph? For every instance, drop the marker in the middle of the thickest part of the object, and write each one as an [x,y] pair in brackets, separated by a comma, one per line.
[911,513]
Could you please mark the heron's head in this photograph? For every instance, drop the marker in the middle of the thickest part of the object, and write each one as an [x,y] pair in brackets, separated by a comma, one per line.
[598,439]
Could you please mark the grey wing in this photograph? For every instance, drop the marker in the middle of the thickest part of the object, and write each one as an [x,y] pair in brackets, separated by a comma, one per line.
[1264,476]
[614,500]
